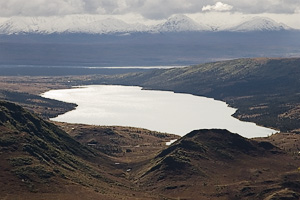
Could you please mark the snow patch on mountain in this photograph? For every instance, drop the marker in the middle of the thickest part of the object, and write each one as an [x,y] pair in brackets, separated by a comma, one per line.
[259,24]
[19,25]
[102,26]
[181,23]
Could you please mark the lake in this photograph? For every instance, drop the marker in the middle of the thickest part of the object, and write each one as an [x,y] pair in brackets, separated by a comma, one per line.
[162,111]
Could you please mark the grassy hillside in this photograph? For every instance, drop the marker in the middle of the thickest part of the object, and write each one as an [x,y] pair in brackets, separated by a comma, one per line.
[217,164]
[265,91]
[39,160]
[129,144]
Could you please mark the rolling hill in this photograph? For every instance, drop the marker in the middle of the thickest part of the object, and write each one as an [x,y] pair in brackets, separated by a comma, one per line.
[39,160]
[217,164]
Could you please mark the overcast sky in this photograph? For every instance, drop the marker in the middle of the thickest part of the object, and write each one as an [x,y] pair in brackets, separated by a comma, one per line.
[287,11]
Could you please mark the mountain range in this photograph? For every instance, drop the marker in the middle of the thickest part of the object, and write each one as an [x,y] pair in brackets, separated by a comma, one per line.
[93,25]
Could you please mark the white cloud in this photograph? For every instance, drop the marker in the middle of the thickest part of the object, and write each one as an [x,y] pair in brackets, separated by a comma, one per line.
[150,9]
[219,6]
[160,9]
[40,7]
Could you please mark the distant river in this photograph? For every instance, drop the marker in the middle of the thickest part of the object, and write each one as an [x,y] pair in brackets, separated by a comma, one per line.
[154,110]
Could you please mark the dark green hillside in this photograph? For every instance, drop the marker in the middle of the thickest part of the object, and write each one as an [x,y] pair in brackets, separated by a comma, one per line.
[38,137]
[265,91]
[217,164]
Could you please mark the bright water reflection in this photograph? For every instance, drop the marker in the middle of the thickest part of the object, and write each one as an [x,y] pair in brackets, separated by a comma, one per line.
[155,110]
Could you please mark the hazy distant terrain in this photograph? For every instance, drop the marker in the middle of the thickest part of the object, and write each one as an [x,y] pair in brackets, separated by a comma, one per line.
[144,49]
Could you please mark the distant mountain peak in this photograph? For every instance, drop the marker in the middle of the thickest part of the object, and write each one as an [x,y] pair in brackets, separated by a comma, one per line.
[181,23]
[260,24]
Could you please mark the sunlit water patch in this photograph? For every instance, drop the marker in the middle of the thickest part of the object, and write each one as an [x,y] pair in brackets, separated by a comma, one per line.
[154,110]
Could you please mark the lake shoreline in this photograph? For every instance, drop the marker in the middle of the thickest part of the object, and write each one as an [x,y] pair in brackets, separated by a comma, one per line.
[172,92]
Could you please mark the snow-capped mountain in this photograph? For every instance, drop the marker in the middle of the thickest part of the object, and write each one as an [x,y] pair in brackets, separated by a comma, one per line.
[101,26]
[180,23]
[19,25]
[93,24]
[68,24]
[46,25]
[105,26]
[259,24]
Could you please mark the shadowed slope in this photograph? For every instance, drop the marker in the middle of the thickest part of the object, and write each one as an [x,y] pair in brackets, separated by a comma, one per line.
[38,157]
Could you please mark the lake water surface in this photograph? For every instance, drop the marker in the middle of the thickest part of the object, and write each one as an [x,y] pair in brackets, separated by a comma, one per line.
[154,110]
